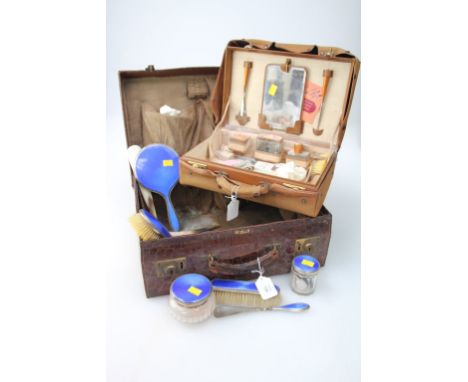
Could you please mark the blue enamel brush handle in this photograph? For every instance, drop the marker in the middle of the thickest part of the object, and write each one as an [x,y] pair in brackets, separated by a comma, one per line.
[157,225]
[295,307]
[236,286]
[173,220]
[228,310]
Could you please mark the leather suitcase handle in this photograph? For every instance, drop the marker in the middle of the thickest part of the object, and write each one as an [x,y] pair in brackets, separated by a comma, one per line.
[239,268]
[244,190]
[295,48]
[251,191]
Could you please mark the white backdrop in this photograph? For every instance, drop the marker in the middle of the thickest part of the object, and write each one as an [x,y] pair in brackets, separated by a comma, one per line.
[170,34]
[143,342]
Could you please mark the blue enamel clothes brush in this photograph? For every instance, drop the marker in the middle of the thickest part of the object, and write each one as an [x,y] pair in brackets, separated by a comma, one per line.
[235,296]
[242,293]
[147,226]
[157,169]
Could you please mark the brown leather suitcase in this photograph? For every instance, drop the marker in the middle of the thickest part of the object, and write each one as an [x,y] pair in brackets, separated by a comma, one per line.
[321,135]
[230,251]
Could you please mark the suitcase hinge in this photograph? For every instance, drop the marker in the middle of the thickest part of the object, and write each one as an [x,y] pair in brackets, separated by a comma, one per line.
[293,186]
[197,165]
[241,231]
[327,53]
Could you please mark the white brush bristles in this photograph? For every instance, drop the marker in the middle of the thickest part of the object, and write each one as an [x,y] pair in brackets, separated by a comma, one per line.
[251,299]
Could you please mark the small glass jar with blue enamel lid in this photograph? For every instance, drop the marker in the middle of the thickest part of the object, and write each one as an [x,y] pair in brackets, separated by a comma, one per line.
[304,270]
[191,298]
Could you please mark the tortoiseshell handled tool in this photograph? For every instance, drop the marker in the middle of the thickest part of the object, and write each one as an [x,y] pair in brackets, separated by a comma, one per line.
[327,74]
[242,117]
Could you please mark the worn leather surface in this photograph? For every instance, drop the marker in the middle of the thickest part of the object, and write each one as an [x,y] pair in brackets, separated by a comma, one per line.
[233,251]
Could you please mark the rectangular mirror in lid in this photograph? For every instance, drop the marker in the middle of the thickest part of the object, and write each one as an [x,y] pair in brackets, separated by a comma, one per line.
[283,94]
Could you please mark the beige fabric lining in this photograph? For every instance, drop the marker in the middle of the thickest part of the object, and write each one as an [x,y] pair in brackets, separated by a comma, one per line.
[156,92]
[143,98]
[181,132]
[334,101]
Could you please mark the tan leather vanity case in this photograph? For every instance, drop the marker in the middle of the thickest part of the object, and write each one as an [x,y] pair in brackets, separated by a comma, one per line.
[315,124]
[231,249]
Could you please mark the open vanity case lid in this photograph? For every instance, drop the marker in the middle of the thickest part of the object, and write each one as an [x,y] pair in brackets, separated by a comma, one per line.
[329,121]
[143,93]
[155,88]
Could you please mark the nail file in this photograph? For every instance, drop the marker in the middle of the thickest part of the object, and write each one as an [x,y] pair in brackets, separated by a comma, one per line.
[228,310]
[242,117]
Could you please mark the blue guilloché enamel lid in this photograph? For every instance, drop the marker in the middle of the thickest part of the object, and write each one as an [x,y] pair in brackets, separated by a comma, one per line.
[191,288]
[306,264]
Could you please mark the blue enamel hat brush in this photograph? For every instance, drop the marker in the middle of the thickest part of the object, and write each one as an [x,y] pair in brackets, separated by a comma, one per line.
[147,226]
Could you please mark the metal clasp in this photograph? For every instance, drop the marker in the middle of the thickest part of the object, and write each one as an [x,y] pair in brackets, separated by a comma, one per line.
[197,165]
[293,186]
[170,267]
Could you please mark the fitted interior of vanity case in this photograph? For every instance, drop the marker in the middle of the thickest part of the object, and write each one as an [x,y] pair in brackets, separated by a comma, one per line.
[143,94]
[334,102]
[230,134]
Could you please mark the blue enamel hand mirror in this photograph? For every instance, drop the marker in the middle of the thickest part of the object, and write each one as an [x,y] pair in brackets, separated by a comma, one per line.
[157,169]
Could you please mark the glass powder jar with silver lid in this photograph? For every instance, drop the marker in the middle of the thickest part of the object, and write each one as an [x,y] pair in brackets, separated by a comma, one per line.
[191,298]
[304,271]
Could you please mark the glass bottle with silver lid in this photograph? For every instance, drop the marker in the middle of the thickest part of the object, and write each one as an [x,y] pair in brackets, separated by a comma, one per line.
[304,271]
[191,298]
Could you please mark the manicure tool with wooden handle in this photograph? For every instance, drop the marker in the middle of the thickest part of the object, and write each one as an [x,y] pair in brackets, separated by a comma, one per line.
[327,74]
[242,117]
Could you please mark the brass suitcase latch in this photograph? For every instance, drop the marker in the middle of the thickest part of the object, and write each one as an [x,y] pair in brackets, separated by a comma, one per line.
[165,268]
[197,165]
[293,186]
[307,244]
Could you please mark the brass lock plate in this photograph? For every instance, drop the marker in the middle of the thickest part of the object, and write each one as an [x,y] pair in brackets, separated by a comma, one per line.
[165,268]
[307,244]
